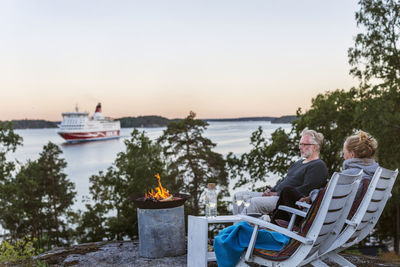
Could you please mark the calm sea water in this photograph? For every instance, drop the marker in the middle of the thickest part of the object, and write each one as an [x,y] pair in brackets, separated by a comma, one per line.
[86,159]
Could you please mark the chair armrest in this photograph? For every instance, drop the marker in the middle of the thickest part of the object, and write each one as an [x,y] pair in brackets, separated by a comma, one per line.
[221,219]
[277,228]
[292,210]
[303,204]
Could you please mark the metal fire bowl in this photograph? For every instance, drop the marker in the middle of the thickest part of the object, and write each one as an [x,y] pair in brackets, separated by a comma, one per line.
[143,203]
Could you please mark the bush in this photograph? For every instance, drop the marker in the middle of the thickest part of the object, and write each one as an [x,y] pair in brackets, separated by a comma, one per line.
[17,250]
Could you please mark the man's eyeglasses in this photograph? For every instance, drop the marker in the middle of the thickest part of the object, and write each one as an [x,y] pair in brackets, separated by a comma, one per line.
[304,144]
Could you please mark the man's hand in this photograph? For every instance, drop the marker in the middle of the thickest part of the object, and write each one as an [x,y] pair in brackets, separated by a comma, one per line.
[305,199]
[268,193]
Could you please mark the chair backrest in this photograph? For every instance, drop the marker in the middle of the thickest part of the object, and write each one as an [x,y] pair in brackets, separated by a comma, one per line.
[375,207]
[337,209]
[357,211]
[329,209]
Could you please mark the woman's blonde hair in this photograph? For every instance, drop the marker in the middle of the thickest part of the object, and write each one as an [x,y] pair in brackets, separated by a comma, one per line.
[362,144]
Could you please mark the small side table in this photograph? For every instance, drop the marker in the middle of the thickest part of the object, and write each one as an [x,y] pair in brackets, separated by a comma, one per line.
[198,255]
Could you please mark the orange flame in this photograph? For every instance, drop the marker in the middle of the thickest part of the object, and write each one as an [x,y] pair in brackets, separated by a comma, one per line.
[161,192]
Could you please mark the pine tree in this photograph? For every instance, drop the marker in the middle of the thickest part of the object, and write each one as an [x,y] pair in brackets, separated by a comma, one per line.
[57,195]
[36,203]
[111,213]
[191,157]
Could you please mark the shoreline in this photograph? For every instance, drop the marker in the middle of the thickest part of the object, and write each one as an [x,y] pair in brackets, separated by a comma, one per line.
[143,122]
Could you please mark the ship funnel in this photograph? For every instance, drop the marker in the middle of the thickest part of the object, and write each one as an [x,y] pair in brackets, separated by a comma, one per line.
[97,114]
[98,108]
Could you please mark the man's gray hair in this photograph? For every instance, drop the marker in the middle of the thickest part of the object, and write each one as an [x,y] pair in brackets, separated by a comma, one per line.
[316,137]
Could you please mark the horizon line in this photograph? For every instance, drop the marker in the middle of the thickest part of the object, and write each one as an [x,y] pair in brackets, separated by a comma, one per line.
[226,118]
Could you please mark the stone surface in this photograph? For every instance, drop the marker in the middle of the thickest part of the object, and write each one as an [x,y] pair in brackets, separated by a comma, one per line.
[99,254]
[126,253]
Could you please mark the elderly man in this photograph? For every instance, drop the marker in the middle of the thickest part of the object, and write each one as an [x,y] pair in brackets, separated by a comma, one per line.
[306,174]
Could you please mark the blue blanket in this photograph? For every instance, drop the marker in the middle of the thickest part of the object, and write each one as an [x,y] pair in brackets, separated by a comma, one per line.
[230,243]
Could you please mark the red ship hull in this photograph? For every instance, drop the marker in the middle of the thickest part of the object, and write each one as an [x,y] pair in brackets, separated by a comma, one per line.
[89,136]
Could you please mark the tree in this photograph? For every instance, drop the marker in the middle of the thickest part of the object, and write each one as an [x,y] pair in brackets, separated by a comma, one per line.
[191,157]
[9,141]
[379,114]
[334,115]
[22,212]
[266,156]
[376,57]
[111,213]
[57,195]
[38,201]
[376,51]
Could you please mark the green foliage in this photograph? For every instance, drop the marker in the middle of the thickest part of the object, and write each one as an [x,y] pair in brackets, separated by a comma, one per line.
[9,141]
[376,49]
[20,249]
[266,156]
[379,114]
[333,115]
[376,57]
[37,202]
[21,205]
[191,159]
[57,195]
[111,213]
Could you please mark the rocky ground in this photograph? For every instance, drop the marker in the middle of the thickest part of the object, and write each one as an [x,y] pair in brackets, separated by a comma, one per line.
[100,254]
[126,253]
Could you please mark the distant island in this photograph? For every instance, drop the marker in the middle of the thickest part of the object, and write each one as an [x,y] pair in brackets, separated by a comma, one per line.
[32,124]
[282,119]
[143,121]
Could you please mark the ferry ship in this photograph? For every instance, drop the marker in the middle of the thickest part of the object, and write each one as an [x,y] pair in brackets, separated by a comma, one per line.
[77,126]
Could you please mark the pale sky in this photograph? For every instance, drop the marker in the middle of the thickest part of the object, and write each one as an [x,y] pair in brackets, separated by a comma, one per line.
[219,58]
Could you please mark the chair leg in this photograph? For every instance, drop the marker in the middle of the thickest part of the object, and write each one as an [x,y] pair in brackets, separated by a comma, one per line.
[340,260]
[242,262]
[252,243]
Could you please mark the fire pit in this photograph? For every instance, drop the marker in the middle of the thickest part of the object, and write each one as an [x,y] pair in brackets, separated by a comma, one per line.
[145,203]
[161,223]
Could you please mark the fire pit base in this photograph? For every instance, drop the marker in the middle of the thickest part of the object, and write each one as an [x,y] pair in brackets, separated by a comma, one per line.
[161,232]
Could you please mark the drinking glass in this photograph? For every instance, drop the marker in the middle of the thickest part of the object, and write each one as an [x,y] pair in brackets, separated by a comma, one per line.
[239,200]
[246,201]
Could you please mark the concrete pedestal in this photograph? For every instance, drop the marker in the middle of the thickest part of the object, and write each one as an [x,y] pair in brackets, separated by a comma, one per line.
[198,255]
[161,232]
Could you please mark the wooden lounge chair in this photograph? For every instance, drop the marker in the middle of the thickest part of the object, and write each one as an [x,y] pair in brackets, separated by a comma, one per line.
[364,219]
[358,209]
[328,212]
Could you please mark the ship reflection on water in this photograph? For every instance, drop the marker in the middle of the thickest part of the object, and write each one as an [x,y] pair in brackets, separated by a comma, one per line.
[88,142]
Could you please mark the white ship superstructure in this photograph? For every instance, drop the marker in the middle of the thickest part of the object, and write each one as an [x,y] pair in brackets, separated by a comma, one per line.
[77,126]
